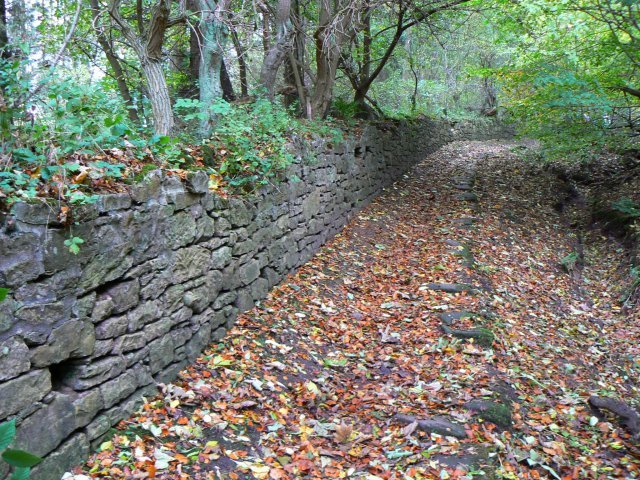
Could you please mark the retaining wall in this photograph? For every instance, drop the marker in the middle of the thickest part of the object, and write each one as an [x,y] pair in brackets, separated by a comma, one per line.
[163,271]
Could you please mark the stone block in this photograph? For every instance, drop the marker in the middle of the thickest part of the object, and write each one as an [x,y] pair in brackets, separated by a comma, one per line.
[240,213]
[86,406]
[196,344]
[197,182]
[248,272]
[157,329]
[70,453]
[73,339]
[129,342]
[221,257]
[143,314]
[245,301]
[149,188]
[259,289]
[224,299]
[180,230]
[14,358]
[161,353]
[44,430]
[20,392]
[84,376]
[117,389]
[189,263]
[115,201]
[112,327]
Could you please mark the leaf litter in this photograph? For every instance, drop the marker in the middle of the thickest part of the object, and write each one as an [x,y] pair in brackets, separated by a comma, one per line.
[313,383]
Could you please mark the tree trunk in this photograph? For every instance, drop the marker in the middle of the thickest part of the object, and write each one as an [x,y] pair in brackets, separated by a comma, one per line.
[278,51]
[225,82]
[158,92]
[214,37]
[114,62]
[242,64]
[294,75]
[4,37]
[335,29]
[147,43]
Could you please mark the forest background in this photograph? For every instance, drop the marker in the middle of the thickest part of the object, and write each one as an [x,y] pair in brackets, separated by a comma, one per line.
[94,93]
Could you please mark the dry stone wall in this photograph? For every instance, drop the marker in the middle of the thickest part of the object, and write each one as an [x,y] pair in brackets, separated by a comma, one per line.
[164,270]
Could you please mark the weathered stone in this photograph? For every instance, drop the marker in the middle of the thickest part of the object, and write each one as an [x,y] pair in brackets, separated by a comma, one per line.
[239,213]
[149,188]
[450,287]
[448,318]
[102,347]
[201,297]
[244,301]
[115,390]
[71,340]
[491,411]
[124,295]
[19,393]
[189,263]
[98,427]
[44,314]
[218,334]
[197,182]
[180,230]
[14,358]
[143,314]
[222,226]
[112,327]
[161,353]
[87,375]
[86,405]
[172,298]
[45,429]
[246,246]
[249,272]
[259,289]
[36,213]
[129,342]
[104,268]
[70,453]
[440,425]
[157,329]
[169,373]
[482,336]
[7,318]
[196,344]
[224,299]
[115,201]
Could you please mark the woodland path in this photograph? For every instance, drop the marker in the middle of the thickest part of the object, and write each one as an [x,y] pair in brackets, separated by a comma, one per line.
[442,302]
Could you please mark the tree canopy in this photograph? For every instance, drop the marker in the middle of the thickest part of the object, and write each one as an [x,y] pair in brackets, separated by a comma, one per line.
[86,84]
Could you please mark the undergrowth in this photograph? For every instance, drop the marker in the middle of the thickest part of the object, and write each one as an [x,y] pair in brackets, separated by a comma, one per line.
[77,140]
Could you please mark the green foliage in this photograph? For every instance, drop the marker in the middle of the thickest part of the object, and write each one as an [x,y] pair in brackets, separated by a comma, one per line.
[627,207]
[73,244]
[565,76]
[250,143]
[345,109]
[570,261]
[19,459]
[3,294]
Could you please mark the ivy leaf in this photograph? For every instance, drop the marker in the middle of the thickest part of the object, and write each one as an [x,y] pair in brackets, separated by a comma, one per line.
[20,473]
[3,293]
[20,458]
[7,431]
